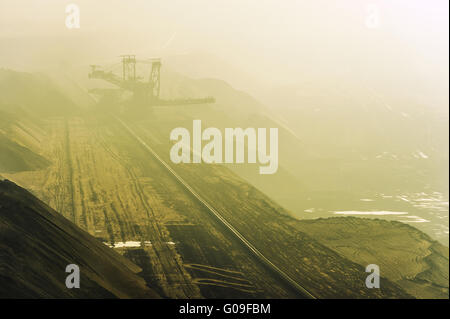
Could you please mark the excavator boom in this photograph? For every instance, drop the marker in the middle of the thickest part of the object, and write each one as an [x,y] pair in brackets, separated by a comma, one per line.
[147,90]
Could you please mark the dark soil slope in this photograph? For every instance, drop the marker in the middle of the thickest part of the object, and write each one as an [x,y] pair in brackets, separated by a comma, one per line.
[16,158]
[36,245]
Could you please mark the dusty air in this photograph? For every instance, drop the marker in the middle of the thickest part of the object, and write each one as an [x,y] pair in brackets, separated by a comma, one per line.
[234,143]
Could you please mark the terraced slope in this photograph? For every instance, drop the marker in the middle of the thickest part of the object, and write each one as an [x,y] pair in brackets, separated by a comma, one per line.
[405,255]
[103,180]
[36,245]
[106,182]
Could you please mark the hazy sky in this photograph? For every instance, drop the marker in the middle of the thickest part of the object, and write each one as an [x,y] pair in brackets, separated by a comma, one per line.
[274,41]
